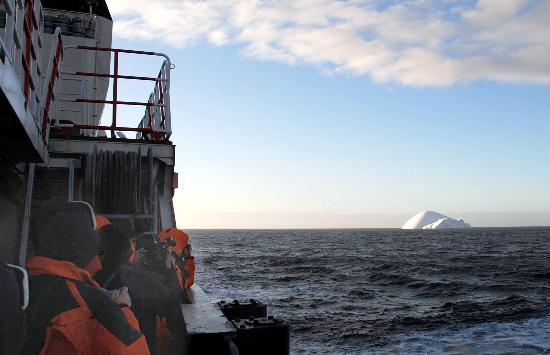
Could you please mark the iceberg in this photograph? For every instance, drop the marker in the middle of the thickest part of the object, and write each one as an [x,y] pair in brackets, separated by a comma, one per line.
[434,220]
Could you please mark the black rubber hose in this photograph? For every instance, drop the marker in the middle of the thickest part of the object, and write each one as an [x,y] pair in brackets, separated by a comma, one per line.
[111,176]
[128,187]
[117,182]
[132,182]
[100,175]
[125,180]
[88,178]
[139,187]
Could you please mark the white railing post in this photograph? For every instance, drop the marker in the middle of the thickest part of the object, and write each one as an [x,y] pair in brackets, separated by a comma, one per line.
[156,108]
[168,117]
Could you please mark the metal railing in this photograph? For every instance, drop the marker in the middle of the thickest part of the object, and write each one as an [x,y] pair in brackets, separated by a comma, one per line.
[156,123]
[12,43]
[56,57]
[21,48]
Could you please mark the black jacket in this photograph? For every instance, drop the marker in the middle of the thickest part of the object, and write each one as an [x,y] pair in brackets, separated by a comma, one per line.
[150,298]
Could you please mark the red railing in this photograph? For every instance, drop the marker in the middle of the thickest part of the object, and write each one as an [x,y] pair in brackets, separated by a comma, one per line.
[155,128]
[29,25]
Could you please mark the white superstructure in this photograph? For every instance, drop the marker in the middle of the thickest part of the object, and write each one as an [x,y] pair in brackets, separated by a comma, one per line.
[56,69]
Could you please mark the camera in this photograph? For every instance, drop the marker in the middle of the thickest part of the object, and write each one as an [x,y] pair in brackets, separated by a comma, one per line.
[151,242]
[156,250]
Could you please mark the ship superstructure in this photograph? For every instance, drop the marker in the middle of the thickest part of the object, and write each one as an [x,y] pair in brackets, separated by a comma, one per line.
[58,74]
[54,79]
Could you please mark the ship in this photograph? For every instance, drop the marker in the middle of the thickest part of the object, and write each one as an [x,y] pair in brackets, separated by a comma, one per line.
[58,73]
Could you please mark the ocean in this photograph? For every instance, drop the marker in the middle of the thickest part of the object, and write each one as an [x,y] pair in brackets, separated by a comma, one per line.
[362,291]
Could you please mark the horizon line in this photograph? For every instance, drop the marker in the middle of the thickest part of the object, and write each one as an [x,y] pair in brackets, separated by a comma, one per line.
[363,228]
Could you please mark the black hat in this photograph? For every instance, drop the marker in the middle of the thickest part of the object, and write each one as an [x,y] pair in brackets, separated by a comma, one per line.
[65,231]
[115,247]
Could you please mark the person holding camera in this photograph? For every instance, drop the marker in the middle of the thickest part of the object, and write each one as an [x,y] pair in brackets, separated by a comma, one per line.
[184,261]
[150,297]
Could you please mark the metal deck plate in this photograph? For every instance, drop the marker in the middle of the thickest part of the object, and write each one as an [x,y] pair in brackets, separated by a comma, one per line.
[203,316]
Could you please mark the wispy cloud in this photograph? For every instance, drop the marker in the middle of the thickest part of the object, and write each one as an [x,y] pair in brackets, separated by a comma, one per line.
[408,42]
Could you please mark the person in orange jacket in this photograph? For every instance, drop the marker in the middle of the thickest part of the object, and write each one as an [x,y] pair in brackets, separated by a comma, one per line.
[189,266]
[185,271]
[69,313]
[185,262]
[150,297]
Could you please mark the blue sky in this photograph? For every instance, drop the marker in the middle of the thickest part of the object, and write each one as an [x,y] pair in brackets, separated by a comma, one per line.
[266,141]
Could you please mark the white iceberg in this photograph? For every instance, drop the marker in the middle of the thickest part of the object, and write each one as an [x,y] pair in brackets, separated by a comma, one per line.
[434,220]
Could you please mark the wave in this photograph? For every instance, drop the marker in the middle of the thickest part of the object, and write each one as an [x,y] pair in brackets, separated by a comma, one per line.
[361,291]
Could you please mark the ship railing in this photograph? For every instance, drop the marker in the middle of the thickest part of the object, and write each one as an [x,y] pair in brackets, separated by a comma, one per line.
[12,39]
[156,123]
[21,47]
[56,58]
[157,114]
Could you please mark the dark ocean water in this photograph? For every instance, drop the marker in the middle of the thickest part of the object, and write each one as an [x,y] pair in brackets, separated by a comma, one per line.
[389,291]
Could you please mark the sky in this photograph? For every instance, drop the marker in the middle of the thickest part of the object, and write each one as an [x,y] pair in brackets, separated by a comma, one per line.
[351,114]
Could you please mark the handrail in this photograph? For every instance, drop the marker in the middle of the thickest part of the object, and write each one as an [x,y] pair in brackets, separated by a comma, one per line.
[156,123]
[27,60]
[56,58]
[22,51]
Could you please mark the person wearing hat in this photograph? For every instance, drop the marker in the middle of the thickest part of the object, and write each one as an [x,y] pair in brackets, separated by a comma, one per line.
[69,313]
[178,251]
[185,262]
[150,298]
[101,221]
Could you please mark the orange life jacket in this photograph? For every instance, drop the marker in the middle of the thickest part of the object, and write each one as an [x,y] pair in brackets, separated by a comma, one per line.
[87,321]
[180,275]
[94,266]
[190,267]
[186,272]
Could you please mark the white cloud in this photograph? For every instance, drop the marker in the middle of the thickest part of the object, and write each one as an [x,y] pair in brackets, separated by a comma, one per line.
[408,42]
[218,37]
